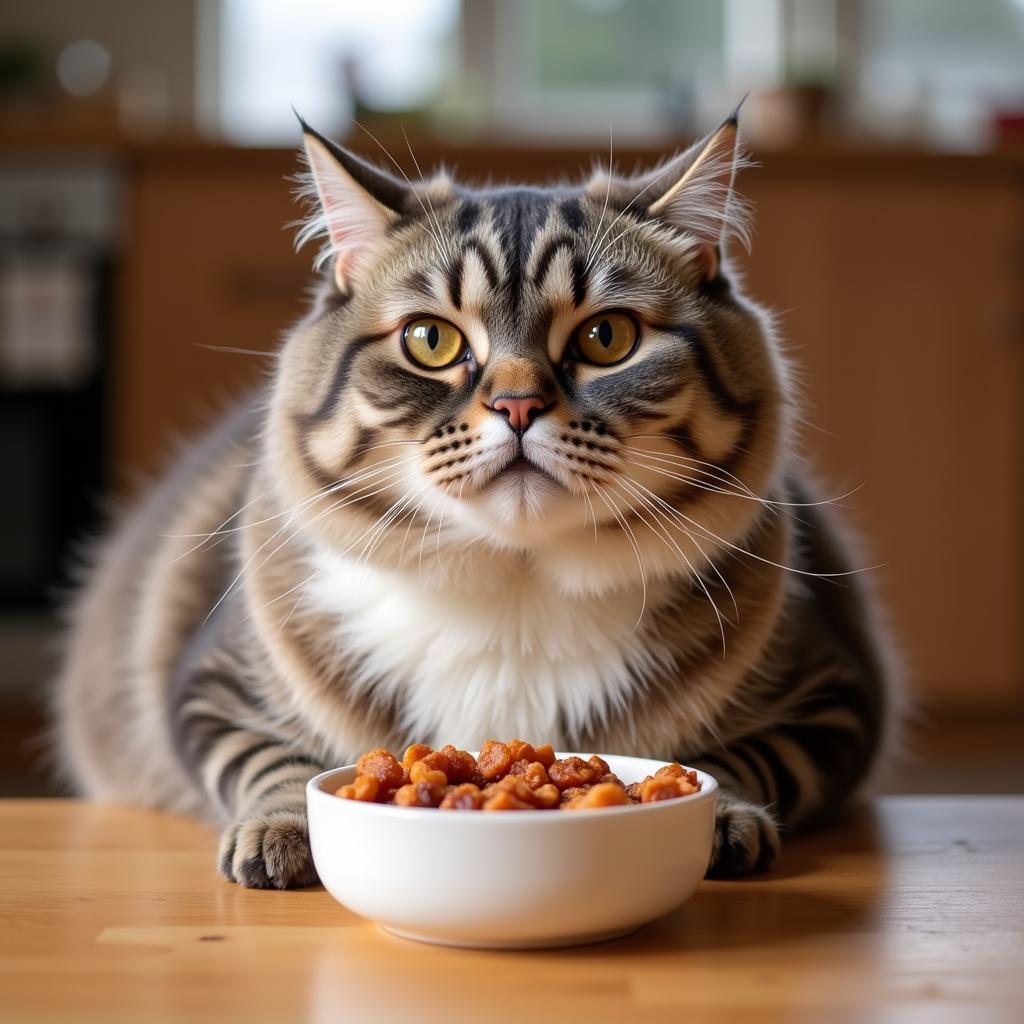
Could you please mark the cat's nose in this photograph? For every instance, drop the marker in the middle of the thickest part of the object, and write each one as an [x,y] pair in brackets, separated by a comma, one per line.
[520,410]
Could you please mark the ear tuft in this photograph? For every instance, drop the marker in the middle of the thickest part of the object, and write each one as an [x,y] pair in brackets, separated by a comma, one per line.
[345,214]
[702,201]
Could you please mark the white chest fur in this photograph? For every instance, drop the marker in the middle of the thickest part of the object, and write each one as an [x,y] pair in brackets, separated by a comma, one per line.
[509,656]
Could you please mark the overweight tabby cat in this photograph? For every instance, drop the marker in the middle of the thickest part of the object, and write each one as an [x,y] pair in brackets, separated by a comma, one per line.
[526,469]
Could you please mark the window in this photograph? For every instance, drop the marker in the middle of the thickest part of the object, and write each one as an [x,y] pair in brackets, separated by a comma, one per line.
[328,59]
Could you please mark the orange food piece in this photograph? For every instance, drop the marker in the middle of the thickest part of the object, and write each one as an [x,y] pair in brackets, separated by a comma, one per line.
[605,794]
[437,760]
[419,794]
[520,750]
[514,784]
[415,753]
[544,754]
[465,797]
[599,764]
[536,775]
[673,770]
[494,760]
[573,792]
[503,800]
[660,787]
[461,764]
[362,787]
[422,772]
[572,771]
[547,796]
[380,764]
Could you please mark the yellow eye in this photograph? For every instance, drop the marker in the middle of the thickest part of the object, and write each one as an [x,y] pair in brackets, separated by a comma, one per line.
[607,338]
[433,343]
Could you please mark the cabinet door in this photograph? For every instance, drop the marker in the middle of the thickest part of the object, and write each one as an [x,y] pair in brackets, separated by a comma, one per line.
[208,261]
[901,300]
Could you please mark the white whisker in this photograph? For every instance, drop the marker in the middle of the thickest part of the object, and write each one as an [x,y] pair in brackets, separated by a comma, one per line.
[669,541]
[631,537]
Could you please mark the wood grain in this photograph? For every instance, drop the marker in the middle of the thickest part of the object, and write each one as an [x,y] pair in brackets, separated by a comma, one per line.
[911,909]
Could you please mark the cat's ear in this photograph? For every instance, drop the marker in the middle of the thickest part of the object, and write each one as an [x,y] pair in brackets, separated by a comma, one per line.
[693,192]
[355,203]
[700,198]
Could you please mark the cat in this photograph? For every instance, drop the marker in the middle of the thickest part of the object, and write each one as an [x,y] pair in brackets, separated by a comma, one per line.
[526,468]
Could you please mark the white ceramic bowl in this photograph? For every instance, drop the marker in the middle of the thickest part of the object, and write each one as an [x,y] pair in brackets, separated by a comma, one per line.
[511,879]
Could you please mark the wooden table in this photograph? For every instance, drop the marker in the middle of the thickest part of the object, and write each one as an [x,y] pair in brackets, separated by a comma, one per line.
[912,909]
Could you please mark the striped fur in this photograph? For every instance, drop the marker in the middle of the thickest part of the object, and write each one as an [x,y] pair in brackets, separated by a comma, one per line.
[366,554]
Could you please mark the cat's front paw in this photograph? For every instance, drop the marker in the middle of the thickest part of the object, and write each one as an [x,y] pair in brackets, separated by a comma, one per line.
[268,851]
[746,840]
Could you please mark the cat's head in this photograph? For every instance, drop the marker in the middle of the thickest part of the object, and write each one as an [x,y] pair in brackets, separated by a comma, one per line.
[529,368]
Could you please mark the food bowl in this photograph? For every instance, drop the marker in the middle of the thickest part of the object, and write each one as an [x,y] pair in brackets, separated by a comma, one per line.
[511,879]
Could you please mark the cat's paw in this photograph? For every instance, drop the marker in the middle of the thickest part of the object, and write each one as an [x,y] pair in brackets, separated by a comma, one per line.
[268,852]
[746,840]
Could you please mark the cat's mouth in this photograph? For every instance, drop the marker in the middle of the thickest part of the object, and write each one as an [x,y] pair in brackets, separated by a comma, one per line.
[520,464]
[523,469]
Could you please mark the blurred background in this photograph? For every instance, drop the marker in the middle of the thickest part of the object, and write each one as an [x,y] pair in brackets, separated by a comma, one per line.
[144,212]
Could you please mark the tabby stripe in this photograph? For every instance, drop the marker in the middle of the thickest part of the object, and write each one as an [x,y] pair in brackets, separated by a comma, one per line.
[714,764]
[224,680]
[282,762]
[787,784]
[405,420]
[279,787]
[845,693]
[467,217]
[838,754]
[304,422]
[254,766]
[746,753]
[282,801]
[572,213]
[215,758]
[807,777]
[203,730]
[548,253]
[706,364]
[365,438]
[375,400]
[455,281]
[418,281]
[741,770]
[340,380]
[230,772]
[579,280]
[490,269]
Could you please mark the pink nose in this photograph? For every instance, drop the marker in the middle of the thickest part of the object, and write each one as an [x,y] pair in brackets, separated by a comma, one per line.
[520,410]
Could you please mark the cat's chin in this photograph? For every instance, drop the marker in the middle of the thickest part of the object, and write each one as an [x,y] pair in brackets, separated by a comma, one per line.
[522,507]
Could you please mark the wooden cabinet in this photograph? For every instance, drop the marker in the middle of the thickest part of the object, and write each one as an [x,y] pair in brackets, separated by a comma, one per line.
[899,282]
[901,297]
[208,261]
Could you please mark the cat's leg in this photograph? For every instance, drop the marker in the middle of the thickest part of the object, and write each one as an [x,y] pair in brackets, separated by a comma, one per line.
[821,745]
[253,779]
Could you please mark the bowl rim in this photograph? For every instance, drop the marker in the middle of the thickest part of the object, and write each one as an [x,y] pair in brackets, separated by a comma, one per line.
[709,787]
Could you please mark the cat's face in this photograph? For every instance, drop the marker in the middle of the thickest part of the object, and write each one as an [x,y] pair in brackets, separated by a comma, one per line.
[522,366]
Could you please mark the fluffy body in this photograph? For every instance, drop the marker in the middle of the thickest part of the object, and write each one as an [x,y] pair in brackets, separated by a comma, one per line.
[367,554]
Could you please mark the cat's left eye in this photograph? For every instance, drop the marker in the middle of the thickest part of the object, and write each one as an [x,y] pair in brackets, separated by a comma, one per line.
[606,339]
[432,343]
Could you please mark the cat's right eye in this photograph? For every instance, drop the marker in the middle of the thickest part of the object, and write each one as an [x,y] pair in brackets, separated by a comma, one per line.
[606,339]
[433,343]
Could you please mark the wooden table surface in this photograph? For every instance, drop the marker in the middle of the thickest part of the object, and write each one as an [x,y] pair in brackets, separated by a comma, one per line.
[912,909]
